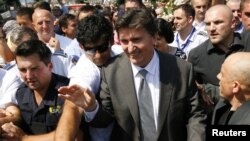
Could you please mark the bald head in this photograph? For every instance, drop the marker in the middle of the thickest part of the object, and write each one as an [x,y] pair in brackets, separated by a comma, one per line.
[41,13]
[195,1]
[221,9]
[43,24]
[219,21]
[238,64]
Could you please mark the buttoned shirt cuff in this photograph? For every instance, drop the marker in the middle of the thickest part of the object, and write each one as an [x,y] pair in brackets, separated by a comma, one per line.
[89,116]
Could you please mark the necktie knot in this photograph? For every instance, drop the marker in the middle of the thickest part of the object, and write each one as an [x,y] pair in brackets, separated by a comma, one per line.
[143,73]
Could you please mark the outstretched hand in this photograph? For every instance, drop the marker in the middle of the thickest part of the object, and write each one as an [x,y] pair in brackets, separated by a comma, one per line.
[78,95]
[11,132]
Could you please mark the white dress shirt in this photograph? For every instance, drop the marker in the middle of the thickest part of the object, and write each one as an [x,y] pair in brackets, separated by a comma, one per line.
[195,40]
[153,80]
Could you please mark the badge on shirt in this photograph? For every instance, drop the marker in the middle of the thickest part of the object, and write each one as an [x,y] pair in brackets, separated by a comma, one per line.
[55,109]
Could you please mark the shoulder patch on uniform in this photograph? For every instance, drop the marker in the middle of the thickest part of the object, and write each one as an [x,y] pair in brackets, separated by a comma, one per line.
[60,53]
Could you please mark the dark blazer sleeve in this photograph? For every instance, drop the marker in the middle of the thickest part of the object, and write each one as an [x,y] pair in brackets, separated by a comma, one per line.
[197,117]
[104,116]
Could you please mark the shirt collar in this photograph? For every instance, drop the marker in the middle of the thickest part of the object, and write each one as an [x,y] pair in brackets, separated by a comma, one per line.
[199,24]
[189,37]
[236,45]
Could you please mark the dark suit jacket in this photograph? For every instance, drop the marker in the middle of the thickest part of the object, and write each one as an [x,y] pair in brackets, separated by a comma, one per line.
[180,116]
[240,117]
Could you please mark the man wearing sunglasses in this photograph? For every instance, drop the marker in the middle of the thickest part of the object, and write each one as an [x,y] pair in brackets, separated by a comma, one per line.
[95,35]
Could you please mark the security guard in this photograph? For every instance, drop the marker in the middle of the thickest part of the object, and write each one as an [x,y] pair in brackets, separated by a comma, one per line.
[41,118]
[37,97]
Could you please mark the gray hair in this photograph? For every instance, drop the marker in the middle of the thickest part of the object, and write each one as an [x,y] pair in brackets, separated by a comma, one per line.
[17,34]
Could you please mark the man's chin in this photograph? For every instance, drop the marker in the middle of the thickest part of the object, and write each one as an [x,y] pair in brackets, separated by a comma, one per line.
[137,62]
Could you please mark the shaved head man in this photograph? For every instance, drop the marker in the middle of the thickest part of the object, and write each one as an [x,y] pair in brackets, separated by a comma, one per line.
[220,26]
[235,89]
[234,78]
[43,24]
[209,56]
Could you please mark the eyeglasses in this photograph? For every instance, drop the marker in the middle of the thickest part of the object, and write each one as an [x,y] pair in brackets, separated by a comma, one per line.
[101,48]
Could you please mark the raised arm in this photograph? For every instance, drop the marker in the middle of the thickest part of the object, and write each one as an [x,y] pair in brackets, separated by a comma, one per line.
[77,99]
[69,122]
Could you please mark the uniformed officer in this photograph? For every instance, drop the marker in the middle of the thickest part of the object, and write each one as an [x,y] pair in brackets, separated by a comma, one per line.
[37,97]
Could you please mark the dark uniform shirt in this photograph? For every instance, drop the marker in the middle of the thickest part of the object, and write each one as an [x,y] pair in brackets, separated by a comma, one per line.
[43,118]
[207,60]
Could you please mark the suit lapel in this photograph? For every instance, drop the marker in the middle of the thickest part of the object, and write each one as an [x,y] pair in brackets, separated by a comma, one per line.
[128,88]
[166,88]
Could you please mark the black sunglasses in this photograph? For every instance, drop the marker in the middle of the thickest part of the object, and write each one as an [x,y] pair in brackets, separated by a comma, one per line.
[101,48]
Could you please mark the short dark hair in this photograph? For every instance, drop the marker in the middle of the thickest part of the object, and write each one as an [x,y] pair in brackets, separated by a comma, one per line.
[63,20]
[31,47]
[138,1]
[25,11]
[187,8]
[137,18]
[164,29]
[42,5]
[93,28]
[87,8]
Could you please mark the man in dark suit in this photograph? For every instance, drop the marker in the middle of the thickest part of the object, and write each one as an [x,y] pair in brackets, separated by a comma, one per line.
[234,88]
[175,113]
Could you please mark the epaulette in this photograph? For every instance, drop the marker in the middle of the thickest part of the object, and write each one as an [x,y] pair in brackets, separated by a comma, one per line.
[8,66]
[60,53]
[202,33]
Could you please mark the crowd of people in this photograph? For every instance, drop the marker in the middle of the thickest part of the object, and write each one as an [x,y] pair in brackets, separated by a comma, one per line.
[125,74]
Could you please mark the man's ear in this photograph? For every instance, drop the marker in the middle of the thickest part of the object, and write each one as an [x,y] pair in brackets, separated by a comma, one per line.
[63,29]
[236,87]
[190,19]
[50,65]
